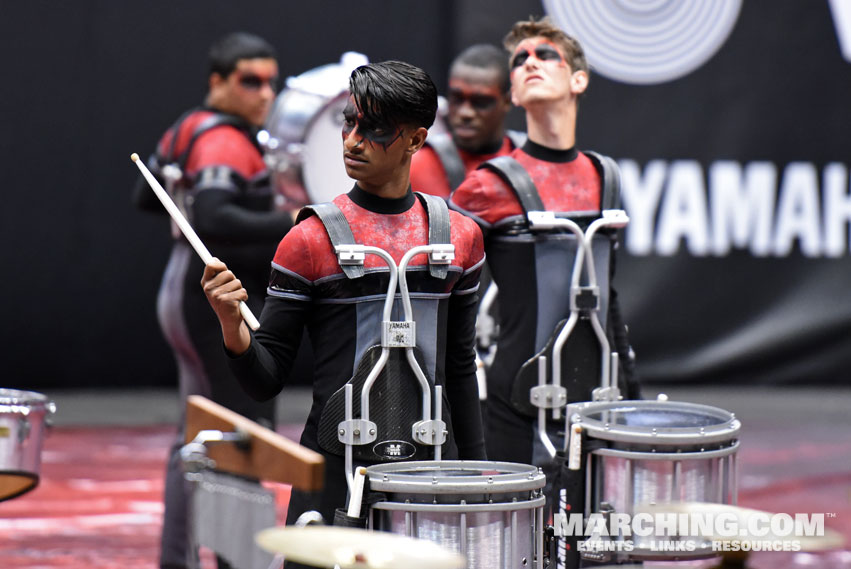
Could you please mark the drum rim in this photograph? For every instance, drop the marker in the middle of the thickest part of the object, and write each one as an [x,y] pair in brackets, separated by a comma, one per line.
[516,478]
[727,430]
[10,396]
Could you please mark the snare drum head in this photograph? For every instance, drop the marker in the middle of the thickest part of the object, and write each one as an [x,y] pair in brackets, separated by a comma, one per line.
[304,149]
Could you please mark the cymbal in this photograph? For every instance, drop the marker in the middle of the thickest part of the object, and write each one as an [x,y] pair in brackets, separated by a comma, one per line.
[738,518]
[351,548]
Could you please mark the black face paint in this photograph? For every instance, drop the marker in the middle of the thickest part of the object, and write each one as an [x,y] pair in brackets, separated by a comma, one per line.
[255,82]
[478,101]
[375,133]
[543,52]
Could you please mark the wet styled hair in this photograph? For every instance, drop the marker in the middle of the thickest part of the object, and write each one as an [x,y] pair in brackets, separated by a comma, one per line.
[532,28]
[394,93]
[227,51]
[485,56]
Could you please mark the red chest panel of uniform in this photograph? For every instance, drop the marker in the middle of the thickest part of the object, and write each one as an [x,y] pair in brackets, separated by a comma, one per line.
[563,187]
[224,145]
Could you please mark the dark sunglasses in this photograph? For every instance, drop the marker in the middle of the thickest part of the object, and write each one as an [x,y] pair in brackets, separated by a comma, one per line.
[543,52]
[255,82]
[478,101]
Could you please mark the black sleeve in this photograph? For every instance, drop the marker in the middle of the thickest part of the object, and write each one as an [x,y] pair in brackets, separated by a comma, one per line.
[264,368]
[462,390]
[216,217]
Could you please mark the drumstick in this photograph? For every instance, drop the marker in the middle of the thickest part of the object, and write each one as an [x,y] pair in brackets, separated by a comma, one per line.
[188,232]
[357,493]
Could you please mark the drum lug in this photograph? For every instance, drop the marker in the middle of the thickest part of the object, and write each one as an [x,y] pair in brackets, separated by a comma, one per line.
[357,432]
[430,432]
[548,396]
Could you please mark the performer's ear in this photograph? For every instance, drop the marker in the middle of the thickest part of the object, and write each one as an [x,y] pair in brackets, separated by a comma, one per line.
[417,139]
[579,82]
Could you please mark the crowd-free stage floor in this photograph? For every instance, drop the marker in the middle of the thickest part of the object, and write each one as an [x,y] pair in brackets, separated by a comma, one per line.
[98,504]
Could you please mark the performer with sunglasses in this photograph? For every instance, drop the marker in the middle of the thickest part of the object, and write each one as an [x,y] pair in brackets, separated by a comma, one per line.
[210,162]
[549,73]
[479,101]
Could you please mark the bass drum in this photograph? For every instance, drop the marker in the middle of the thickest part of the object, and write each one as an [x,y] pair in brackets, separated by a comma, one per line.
[303,135]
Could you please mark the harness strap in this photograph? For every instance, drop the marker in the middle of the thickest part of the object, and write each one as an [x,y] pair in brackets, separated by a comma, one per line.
[611,175]
[516,176]
[338,228]
[340,232]
[211,122]
[446,151]
[438,229]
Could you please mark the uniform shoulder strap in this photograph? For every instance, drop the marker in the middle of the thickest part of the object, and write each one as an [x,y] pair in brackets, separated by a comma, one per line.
[446,151]
[439,230]
[338,228]
[611,175]
[515,175]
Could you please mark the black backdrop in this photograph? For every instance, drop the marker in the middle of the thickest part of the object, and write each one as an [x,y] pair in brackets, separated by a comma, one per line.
[87,83]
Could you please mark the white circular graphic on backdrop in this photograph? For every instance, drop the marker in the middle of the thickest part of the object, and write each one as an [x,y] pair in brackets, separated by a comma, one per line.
[646,41]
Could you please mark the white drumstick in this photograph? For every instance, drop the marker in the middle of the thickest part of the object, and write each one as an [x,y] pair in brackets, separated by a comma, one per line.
[357,493]
[188,232]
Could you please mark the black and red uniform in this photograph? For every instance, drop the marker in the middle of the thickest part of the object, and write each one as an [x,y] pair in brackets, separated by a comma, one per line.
[225,193]
[533,270]
[440,166]
[343,318]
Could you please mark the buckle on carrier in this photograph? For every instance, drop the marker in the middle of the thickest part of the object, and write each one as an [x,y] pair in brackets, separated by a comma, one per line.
[542,219]
[350,254]
[441,254]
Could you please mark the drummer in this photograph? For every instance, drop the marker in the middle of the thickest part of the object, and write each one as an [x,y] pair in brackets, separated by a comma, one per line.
[479,101]
[392,104]
[220,181]
[549,74]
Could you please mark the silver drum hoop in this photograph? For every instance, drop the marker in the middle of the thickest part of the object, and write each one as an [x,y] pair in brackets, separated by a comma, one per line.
[656,423]
[455,477]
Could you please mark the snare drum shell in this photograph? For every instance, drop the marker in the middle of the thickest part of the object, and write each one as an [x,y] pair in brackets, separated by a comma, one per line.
[22,429]
[490,511]
[653,452]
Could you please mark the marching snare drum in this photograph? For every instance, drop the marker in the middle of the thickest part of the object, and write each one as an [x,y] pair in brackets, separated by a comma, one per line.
[490,511]
[22,430]
[303,143]
[643,453]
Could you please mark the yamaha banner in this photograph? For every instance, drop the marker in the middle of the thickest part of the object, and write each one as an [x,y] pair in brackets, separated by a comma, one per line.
[730,122]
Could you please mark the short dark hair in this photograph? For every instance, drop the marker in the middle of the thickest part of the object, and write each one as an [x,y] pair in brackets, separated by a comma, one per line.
[394,93]
[227,51]
[485,56]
